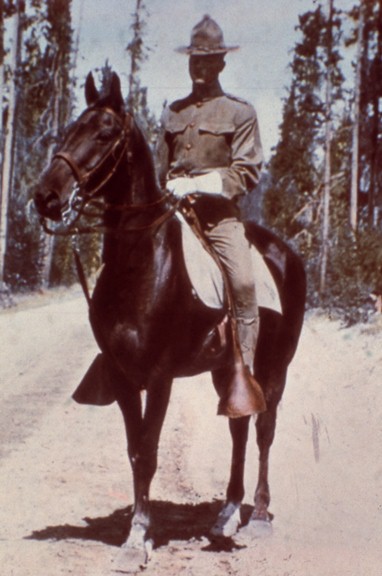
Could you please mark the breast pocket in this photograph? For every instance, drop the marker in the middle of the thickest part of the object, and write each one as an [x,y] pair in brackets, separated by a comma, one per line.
[176,126]
[216,140]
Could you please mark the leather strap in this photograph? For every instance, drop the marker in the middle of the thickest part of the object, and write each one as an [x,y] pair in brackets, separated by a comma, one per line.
[71,163]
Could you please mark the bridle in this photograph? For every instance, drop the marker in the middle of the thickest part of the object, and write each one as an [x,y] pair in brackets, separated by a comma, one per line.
[82,195]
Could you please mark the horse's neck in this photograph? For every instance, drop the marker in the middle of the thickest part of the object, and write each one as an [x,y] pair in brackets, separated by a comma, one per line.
[134,185]
[141,171]
[134,238]
[140,265]
[136,209]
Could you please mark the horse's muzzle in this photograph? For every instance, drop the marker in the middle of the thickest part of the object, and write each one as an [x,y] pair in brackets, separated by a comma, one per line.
[48,204]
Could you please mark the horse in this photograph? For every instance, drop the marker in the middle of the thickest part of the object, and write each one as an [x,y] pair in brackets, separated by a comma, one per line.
[145,317]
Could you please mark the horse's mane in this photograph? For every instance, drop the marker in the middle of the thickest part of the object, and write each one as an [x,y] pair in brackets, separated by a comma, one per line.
[142,151]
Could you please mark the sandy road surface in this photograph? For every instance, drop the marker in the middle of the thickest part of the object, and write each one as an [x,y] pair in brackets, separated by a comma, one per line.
[66,486]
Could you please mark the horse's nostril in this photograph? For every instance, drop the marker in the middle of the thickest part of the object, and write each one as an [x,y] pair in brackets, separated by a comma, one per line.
[47,197]
[38,198]
[52,197]
[48,203]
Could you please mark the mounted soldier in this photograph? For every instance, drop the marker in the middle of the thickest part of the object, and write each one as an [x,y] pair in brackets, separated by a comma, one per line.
[209,151]
[149,325]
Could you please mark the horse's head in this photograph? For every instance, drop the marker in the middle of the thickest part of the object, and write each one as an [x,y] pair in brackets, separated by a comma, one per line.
[90,153]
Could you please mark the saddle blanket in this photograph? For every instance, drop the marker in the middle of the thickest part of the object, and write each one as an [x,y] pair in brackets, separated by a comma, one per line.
[207,279]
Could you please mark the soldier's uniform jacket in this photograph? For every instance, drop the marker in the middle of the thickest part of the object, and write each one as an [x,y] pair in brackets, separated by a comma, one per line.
[218,133]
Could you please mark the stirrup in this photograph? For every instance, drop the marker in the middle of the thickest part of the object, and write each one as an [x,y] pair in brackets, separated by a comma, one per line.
[244,395]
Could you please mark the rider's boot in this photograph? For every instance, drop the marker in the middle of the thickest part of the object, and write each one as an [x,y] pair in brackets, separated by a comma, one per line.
[244,395]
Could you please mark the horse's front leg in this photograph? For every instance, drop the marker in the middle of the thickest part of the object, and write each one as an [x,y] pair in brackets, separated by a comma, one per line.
[143,432]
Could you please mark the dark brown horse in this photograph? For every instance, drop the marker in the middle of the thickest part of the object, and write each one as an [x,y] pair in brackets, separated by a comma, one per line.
[147,321]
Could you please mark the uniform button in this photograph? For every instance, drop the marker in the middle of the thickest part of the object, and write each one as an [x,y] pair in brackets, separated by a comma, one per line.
[199,104]
[192,124]
[188,147]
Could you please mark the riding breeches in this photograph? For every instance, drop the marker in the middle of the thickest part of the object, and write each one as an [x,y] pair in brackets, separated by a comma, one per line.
[229,242]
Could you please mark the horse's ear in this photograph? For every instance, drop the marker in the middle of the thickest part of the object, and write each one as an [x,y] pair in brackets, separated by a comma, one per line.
[91,92]
[116,93]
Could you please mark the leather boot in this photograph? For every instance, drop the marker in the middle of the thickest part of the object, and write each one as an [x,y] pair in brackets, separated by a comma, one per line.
[244,395]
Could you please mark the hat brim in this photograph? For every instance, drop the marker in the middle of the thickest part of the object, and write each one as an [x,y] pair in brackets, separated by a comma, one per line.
[192,51]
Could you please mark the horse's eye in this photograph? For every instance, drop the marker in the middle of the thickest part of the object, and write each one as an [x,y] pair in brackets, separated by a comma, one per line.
[105,135]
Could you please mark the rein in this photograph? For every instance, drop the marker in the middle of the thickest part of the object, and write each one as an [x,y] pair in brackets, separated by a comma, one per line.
[71,229]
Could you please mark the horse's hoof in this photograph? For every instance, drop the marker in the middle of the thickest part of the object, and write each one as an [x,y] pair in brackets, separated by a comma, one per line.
[227,522]
[148,551]
[135,554]
[128,561]
[132,560]
[255,529]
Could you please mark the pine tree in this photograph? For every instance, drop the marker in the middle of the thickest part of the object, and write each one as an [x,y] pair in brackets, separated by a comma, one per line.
[294,200]
[138,54]
[354,190]
[367,189]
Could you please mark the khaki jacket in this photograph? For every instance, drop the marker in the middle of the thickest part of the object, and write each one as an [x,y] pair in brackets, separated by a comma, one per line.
[217,133]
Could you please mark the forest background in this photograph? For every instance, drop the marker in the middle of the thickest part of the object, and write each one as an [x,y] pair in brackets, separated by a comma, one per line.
[321,188]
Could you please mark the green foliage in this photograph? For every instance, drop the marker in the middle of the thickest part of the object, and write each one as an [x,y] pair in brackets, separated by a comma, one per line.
[63,268]
[293,197]
[370,251]
[292,200]
[355,273]
[22,272]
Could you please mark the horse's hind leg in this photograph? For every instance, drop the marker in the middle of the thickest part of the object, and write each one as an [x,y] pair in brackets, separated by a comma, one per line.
[265,427]
[229,520]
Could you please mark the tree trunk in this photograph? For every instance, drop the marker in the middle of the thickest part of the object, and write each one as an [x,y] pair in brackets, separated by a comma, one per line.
[328,143]
[9,136]
[136,56]
[1,86]
[375,131]
[46,241]
[356,127]
[59,36]
[76,50]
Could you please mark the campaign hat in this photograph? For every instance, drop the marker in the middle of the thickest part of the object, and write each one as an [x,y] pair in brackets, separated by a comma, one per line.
[206,39]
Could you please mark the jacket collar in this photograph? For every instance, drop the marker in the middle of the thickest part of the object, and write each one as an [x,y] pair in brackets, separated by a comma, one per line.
[207,94]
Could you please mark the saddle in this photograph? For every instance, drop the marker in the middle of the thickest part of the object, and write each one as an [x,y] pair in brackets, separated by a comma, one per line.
[206,277]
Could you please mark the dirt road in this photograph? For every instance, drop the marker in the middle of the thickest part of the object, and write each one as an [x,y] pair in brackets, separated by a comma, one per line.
[66,489]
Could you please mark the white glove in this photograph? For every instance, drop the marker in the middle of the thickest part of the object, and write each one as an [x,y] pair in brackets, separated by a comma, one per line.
[181,186]
[210,183]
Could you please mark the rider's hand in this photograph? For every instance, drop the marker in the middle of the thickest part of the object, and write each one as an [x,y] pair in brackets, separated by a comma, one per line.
[210,183]
[181,186]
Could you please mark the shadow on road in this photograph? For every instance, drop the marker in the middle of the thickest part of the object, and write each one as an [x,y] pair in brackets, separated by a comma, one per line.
[170,521]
